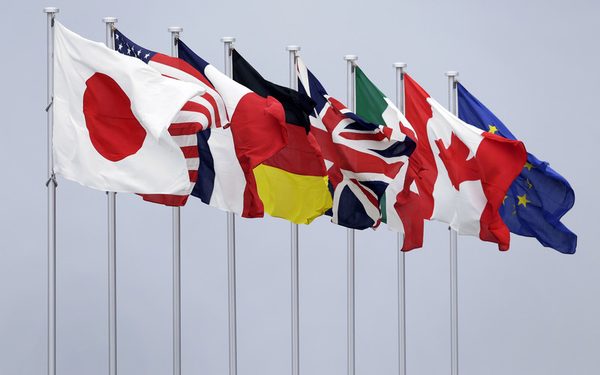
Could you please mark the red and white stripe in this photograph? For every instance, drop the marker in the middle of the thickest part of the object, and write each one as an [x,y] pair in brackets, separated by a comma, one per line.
[199,113]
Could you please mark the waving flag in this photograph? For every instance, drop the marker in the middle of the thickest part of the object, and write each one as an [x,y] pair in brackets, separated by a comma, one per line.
[373,106]
[292,183]
[229,156]
[111,114]
[538,198]
[460,174]
[362,157]
[199,113]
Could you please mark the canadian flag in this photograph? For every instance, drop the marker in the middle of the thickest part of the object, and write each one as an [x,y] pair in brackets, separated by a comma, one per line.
[458,173]
[111,115]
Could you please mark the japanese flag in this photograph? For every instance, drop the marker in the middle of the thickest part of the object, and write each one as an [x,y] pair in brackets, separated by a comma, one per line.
[111,114]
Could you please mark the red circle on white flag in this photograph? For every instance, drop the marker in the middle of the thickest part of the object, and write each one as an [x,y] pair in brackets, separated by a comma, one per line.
[114,130]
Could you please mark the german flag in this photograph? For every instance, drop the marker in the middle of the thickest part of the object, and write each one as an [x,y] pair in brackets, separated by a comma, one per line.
[293,183]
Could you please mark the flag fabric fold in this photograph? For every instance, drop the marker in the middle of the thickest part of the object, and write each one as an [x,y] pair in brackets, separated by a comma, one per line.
[199,113]
[373,106]
[292,183]
[229,156]
[458,174]
[538,198]
[111,115]
[363,158]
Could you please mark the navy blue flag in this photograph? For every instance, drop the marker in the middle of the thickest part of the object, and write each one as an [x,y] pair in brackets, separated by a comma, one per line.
[538,197]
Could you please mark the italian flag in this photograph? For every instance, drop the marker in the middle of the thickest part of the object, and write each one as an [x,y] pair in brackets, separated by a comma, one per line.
[373,106]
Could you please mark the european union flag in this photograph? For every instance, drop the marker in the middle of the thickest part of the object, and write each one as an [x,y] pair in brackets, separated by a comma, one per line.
[538,197]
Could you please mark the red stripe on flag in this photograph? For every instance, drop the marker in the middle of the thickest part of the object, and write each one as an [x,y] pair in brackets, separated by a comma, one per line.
[190,152]
[196,107]
[208,97]
[181,65]
[166,199]
[184,128]
[377,137]
[193,175]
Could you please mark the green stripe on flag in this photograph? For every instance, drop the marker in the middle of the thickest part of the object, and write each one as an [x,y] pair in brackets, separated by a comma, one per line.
[370,105]
[370,101]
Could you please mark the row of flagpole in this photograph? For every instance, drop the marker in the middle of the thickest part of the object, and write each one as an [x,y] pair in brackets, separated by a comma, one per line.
[231,253]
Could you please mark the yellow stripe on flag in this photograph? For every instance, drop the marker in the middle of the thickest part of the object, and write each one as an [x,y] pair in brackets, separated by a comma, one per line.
[294,197]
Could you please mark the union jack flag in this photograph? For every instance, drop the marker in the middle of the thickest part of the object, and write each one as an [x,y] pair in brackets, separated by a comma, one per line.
[199,113]
[361,158]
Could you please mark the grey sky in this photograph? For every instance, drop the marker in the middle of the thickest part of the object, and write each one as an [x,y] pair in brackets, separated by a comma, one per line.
[528,311]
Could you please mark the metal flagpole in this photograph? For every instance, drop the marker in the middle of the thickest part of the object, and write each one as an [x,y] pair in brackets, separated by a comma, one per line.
[452,106]
[400,68]
[228,44]
[175,30]
[112,245]
[51,185]
[295,284]
[351,97]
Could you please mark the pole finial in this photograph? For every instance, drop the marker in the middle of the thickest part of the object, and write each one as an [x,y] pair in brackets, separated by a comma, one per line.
[110,20]
[451,73]
[292,47]
[227,39]
[399,65]
[350,57]
[175,29]
[51,10]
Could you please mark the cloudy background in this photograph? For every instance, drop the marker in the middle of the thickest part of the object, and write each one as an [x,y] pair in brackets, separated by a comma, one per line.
[528,311]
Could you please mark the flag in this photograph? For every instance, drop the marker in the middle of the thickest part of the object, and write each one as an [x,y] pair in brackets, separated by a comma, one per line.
[363,158]
[538,198]
[373,106]
[292,183]
[199,113]
[228,156]
[111,115]
[458,174]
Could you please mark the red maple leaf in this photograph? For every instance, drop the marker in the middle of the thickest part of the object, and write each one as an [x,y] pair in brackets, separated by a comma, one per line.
[455,160]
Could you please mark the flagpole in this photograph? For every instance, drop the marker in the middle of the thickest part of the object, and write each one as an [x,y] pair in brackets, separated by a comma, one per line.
[175,30]
[452,106]
[400,68]
[231,273]
[351,97]
[295,283]
[112,245]
[51,185]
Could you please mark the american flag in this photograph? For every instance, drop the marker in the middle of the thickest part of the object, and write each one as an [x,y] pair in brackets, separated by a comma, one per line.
[362,158]
[199,113]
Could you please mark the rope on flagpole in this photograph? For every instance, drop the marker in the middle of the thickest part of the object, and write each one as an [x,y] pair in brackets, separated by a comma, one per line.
[50,15]
[112,244]
[295,271]
[231,269]
[400,264]
[452,106]
[175,30]
[350,246]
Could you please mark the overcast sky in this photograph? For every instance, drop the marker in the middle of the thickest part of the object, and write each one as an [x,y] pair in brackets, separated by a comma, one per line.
[528,311]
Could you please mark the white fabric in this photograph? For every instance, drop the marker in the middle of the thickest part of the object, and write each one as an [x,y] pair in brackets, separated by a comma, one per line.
[159,165]
[230,181]
[393,117]
[462,208]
